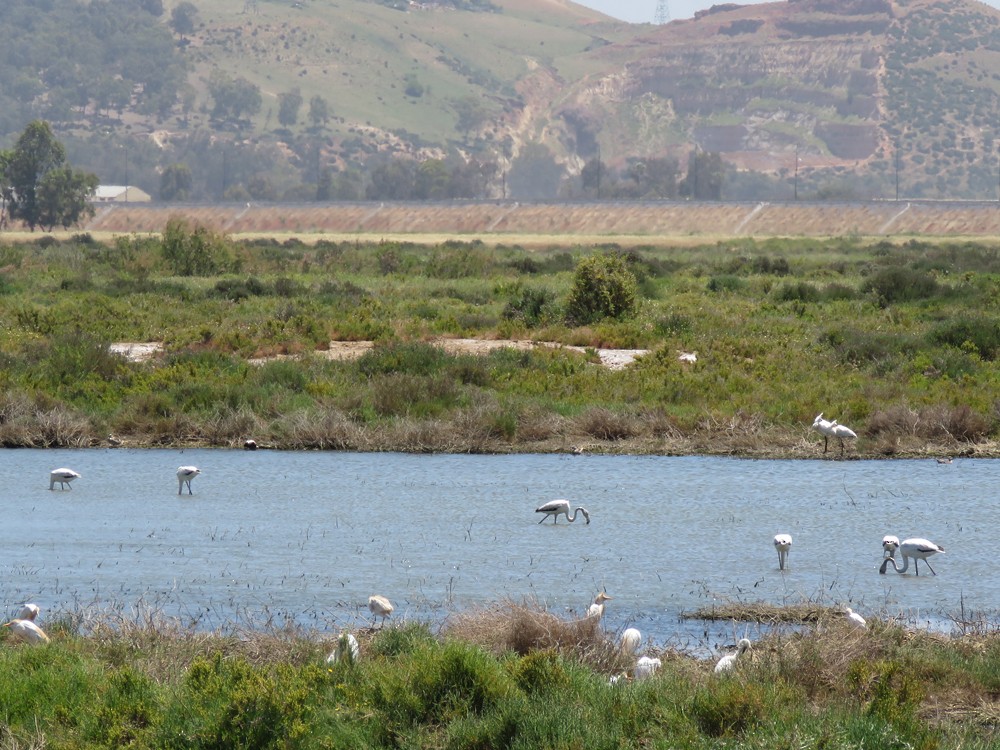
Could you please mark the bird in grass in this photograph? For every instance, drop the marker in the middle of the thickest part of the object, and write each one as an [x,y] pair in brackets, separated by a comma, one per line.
[555,508]
[28,612]
[63,476]
[347,649]
[646,667]
[380,607]
[782,543]
[829,429]
[688,358]
[184,476]
[855,619]
[597,608]
[890,544]
[26,631]
[916,548]
[728,662]
[631,640]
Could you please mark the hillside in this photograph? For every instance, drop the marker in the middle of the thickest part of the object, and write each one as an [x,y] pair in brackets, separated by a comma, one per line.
[804,98]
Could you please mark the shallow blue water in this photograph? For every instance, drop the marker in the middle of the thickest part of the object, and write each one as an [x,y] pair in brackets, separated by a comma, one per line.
[310,535]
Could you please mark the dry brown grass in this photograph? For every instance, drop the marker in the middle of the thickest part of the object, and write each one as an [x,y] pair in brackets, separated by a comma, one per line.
[761,612]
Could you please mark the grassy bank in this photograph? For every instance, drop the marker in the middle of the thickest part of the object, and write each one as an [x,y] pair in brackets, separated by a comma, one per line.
[509,677]
[899,341]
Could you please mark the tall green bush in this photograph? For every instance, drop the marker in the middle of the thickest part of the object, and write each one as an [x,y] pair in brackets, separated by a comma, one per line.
[603,287]
[193,251]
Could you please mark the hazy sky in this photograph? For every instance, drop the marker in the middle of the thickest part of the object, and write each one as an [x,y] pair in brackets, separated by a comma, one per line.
[644,11]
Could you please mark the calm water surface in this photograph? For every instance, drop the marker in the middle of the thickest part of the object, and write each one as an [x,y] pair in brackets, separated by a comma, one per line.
[311,535]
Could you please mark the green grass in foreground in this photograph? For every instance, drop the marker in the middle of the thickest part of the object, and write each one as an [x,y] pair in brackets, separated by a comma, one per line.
[508,677]
[900,342]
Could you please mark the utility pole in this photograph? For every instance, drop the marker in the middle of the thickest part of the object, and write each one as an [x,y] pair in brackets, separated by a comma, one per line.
[662,13]
[598,171]
[897,172]
[795,188]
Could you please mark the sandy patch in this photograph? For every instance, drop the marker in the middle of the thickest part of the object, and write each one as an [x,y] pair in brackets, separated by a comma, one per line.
[137,352]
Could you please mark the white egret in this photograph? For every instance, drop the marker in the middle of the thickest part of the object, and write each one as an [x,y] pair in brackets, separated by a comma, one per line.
[347,648]
[890,544]
[646,667]
[555,508]
[28,612]
[631,640]
[688,358]
[63,476]
[855,619]
[380,607]
[184,476]
[917,548]
[27,631]
[728,662]
[782,543]
[829,429]
[597,608]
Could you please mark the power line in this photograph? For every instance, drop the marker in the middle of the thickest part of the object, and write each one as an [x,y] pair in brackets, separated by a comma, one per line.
[662,12]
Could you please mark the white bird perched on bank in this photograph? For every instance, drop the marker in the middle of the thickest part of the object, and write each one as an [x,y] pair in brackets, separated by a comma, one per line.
[728,662]
[63,476]
[829,429]
[556,508]
[380,607]
[782,543]
[687,357]
[646,667]
[597,608]
[890,544]
[631,640]
[27,631]
[918,549]
[347,648]
[28,612]
[855,619]
[184,476]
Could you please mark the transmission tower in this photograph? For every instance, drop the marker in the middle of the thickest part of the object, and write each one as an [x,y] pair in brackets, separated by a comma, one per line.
[662,12]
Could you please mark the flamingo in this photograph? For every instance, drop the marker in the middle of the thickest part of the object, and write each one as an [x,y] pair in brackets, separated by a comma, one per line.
[728,662]
[28,612]
[855,619]
[890,544]
[782,543]
[631,640]
[184,476]
[829,429]
[646,667]
[63,476]
[27,631]
[917,548]
[555,508]
[597,608]
[380,607]
[347,648]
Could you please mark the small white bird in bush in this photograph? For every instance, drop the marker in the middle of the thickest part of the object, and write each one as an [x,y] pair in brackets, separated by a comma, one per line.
[728,663]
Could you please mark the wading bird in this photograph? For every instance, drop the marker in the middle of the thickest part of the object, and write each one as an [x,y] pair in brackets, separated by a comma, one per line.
[597,608]
[688,358]
[631,640]
[890,544]
[855,619]
[380,607]
[918,549]
[829,429]
[28,612]
[250,445]
[184,476]
[782,543]
[555,508]
[347,648]
[63,476]
[728,662]
[27,631]
[646,667]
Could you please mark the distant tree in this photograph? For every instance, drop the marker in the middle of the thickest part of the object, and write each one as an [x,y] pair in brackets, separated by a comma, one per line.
[153,7]
[705,175]
[393,180]
[534,174]
[324,185]
[183,18]
[432,181]
[175,183]
[591,176]
[289,104]
[233,97]
[413,87]
[319,111]
[471,112]
[63,197]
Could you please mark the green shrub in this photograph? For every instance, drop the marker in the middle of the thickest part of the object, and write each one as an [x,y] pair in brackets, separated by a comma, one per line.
[193,251]
[900,284]
[728,707]
[529,306]
[603,287]
[726,283]
[983,334]
[413,358]
[800,291]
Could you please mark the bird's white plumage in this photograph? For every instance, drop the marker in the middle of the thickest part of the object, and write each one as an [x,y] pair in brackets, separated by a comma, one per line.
[782,543]
[28,612]
[890,544]
[831,428]
[915,548]
[184,476]
[855,619]
[728,662]
[631,640]
[347,648]
[556,508]
[688,358]
[597,608]
[63,476]
[379,606]
[26,631]
[646,667]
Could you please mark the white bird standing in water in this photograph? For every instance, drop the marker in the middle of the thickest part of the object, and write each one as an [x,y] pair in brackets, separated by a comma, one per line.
[380,607]
[555,508]
[917,548]
[184,476]
[597,608]
[63,476]
[728,662]
[28,612]
[347,648]
[855,619]
[631,640]
[890,544]
[829,429]
[27,631]
[782,543]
